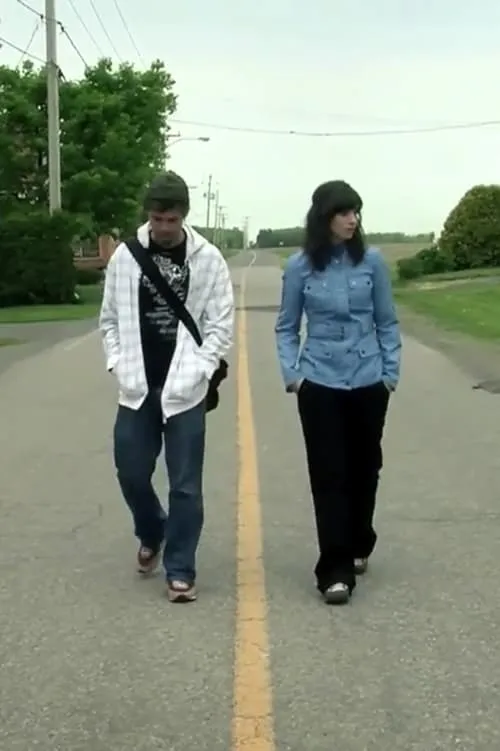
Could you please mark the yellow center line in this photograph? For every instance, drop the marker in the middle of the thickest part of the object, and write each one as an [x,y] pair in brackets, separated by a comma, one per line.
[253,727]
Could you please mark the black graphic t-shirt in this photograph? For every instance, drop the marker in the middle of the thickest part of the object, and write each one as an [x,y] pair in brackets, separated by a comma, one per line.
[158,322]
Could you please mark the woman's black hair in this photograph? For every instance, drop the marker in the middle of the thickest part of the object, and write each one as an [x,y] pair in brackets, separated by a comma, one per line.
[328,199]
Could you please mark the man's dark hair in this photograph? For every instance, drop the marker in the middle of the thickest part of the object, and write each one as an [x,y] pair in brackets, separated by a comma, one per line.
[329,199]
[167,191]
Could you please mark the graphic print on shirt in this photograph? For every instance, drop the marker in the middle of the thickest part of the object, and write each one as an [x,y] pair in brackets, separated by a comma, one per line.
[159,316]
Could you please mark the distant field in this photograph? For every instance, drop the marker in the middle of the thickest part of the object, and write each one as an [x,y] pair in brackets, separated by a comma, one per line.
[392,251]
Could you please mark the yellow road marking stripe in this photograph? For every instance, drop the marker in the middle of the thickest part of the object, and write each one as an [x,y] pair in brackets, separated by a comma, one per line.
[253,727]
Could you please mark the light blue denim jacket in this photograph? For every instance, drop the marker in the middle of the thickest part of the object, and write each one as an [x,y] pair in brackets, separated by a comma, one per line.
[353,337]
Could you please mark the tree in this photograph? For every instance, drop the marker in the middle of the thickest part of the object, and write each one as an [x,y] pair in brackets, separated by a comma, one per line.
[23,138]
[227,238]
[113,128]
[471,234]
[289,237]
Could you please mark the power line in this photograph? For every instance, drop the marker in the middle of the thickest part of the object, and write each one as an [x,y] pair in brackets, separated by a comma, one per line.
[341,134]
[86,28]
[127,29]
[31,40]
[24,52]
[93,6]
[42,18]
[30,8]
[70,40]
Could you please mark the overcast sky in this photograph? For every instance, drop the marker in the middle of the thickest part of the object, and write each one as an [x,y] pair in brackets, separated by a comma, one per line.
[315,66]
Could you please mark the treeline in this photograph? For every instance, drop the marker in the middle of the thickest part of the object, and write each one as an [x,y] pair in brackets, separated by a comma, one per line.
[226,239]
[291,237]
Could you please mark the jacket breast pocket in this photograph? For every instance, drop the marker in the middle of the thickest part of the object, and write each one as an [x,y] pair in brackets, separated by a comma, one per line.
[361,293]
[317,295]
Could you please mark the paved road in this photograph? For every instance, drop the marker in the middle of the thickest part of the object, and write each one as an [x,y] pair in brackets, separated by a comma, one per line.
[91,659]
[32,338]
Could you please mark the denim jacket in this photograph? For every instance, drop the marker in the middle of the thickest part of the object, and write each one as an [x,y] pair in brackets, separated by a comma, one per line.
[352,335]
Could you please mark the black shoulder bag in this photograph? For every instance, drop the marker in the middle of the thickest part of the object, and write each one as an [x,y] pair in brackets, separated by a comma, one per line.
[150,269]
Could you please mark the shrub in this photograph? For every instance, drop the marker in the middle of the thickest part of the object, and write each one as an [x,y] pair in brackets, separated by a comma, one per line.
[409,268]
[88,276]
[471,234]
[36,258]
[434,261]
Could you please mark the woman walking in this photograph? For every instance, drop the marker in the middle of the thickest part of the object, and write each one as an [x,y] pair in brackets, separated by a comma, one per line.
[343,377]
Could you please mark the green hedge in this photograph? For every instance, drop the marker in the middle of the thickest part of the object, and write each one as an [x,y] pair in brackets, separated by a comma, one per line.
[426,261]
[36,258]
[88,276]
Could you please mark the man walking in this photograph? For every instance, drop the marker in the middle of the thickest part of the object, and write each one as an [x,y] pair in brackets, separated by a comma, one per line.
[163,377]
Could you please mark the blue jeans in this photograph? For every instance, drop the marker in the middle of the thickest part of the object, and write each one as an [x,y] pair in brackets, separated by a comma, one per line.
[138,438]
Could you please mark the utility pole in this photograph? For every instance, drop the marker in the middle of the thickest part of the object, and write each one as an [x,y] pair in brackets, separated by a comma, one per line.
[210,197]
[216,218]
[54,149]
[222,230]
[245,232]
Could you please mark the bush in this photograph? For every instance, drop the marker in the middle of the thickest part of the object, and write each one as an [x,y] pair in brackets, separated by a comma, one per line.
[471,234]
[36,258]
[88,276]
[434,261]
[409,268]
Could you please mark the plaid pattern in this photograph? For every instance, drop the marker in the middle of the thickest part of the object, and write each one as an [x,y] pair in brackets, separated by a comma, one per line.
[210,301]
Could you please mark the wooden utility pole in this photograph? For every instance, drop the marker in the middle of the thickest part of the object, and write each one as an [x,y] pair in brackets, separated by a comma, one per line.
[54,148]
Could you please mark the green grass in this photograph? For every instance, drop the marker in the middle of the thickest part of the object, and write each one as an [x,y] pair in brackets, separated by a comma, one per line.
[470,308]
[88,308]
[451,276]
[8,341]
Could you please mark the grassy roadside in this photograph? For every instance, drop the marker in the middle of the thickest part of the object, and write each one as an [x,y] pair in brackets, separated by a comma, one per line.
[9,341]
[471,308]
[90,296]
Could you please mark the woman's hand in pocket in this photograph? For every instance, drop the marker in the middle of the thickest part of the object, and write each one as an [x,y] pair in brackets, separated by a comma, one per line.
[294,388]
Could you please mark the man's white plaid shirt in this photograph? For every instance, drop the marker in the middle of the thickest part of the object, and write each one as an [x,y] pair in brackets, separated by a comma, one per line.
[210,301]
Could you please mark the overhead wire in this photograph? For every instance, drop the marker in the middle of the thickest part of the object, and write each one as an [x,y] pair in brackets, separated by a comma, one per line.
[103,27]
[86,28]
[340,134]
[127,29]
[31,40]
[61,26]
[30,8]
[24,52]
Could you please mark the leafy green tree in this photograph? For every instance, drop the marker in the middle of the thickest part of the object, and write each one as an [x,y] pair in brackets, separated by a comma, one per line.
[471,234]
[23,138]
[113,128]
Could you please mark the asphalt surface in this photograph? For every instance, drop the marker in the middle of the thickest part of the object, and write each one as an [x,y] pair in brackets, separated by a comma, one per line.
[31,338]
[91,659]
